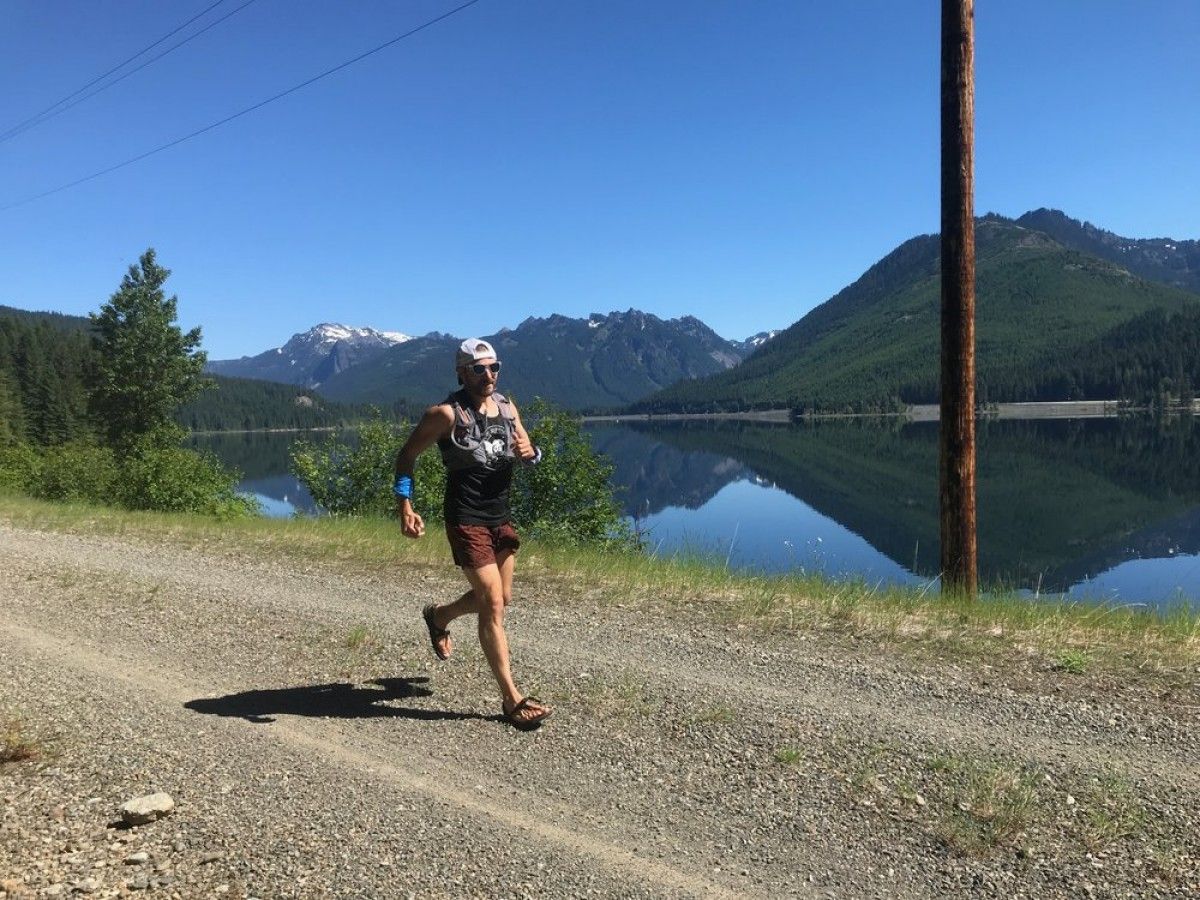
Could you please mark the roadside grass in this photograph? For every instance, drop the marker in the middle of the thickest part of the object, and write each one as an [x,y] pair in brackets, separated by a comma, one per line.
[361,649]
[16,744]
[359,638]
[1112,812]
[790,756]
[974,806]
[1052,634]
[1077,638]
[1171,865]
[623,696]
[1073,662]
[983,805]
[867,782]
[980,806]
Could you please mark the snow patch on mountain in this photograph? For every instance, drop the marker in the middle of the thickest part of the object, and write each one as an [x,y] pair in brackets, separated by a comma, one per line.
[332,332]
[761,338]
[752,343]
[312,356]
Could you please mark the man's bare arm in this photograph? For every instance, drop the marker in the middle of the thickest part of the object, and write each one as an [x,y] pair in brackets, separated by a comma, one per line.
[435,424]
[522,443]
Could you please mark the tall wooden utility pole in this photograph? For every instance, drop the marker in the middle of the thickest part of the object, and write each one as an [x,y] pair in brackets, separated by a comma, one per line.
[957,429]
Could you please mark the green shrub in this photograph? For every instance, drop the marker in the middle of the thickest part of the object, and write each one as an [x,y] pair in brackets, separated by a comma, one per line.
[20,467]
[172,479]
[565,498]
[568,496]
[356,479]
[79,472]
[153,475]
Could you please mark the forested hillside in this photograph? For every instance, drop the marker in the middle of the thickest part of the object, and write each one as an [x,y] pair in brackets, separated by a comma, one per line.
[1052,323]
[245,403]
[44,361]
[1166,260]
[43,357]
[1150,361]
[233,404]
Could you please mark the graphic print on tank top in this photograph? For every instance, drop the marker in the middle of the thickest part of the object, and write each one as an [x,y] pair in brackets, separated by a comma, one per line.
[493,442]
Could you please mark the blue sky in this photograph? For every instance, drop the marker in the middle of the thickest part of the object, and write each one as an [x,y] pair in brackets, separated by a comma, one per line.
[740,161]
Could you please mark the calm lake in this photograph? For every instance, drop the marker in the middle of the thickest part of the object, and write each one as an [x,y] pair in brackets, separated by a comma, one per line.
[1101,509]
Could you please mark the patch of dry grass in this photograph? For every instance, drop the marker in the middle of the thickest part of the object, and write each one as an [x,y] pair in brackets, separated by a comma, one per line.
[985,806]
[1112,812]
[623,696]
[16,744]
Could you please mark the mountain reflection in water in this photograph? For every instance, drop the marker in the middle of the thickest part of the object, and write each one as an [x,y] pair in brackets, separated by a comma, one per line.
[1062,504]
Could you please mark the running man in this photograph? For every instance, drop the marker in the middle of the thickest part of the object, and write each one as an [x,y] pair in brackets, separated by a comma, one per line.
[479,434]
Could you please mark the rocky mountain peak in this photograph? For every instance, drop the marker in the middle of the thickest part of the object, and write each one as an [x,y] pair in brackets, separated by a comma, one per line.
[310,357]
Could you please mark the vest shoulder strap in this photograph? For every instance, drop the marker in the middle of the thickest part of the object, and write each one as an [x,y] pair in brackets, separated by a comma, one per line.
[505,406]
[461,414]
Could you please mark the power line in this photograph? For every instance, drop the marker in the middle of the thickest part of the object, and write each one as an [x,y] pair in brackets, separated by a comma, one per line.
[9,136]
[21,125]
[238,115]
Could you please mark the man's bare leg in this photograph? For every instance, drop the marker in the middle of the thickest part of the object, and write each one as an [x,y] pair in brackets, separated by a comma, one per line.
[466,604]
[443,615]
[489,585]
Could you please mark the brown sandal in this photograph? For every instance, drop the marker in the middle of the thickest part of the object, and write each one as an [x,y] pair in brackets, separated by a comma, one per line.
[527,723]
[435,634]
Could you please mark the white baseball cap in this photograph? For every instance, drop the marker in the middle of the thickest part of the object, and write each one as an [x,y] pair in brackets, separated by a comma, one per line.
[472,349]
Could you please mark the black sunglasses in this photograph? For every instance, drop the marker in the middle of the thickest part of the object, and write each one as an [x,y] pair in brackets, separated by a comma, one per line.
[480,368]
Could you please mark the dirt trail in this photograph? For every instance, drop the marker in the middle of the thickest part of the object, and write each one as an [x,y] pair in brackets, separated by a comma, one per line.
[316,749]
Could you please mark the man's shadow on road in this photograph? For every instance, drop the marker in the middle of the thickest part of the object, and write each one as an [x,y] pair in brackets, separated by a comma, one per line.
[334,701]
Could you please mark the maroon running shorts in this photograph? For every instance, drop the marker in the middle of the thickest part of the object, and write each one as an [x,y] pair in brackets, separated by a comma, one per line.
[476,546]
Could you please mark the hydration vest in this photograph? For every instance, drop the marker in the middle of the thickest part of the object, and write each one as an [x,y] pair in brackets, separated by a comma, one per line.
[472,442]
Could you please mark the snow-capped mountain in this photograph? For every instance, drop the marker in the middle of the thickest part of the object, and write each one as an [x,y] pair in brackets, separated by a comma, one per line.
[313,356]
[601,362]
[750,344]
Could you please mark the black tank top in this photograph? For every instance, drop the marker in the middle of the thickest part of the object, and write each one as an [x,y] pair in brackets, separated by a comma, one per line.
[478,495]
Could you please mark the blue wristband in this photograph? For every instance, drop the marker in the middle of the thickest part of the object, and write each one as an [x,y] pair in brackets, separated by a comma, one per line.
[403,487]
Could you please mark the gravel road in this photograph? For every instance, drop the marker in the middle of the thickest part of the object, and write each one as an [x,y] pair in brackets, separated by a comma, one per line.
[315,748]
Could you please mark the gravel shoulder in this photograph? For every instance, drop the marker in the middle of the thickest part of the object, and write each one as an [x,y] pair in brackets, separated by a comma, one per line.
[315,748]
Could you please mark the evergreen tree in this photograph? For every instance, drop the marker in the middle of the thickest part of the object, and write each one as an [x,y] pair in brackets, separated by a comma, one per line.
[146,366]
[12,416]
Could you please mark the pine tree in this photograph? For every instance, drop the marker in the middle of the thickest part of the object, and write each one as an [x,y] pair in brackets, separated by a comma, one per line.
[12,416]
[146,367]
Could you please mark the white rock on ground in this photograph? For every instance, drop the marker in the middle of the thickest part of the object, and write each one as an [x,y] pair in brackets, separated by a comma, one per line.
[146,809]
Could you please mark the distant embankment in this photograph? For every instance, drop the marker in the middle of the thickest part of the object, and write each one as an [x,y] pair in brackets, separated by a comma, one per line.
[1057,409]
[1062,409]
[766,415]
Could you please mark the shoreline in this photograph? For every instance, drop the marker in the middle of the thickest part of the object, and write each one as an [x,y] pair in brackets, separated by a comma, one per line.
[1049,409]
[767,415]
[322,428]
[925,412]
